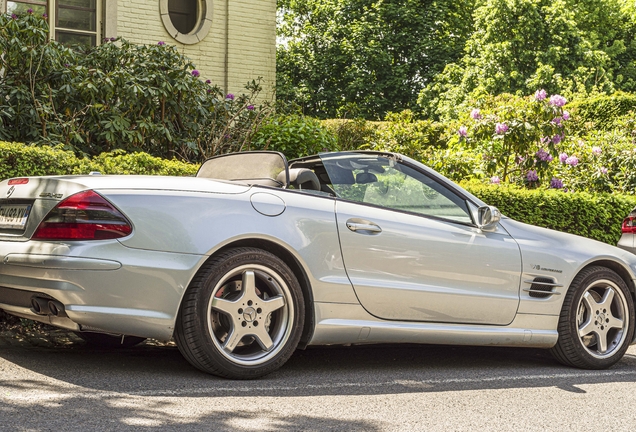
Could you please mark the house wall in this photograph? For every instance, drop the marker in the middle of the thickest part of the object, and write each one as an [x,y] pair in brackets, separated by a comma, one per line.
[240,46]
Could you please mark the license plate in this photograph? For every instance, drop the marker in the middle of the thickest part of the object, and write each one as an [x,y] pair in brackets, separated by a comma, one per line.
[14,216]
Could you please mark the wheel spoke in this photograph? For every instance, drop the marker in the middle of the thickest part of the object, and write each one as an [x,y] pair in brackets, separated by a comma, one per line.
[225,306]
[272,304]
[262,337]
[590,303]
[601,340]
[249,285]
[607,299]
[232,340]
[587,328]
[614,322]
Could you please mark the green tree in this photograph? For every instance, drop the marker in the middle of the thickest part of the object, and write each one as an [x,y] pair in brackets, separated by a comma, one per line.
[374,54]
[518,46]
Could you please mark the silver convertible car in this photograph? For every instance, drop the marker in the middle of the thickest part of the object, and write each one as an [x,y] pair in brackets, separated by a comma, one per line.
[257,256]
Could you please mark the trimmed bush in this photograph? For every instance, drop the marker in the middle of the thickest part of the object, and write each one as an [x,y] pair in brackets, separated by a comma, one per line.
[400,132]
[594,216]
[294,135]
[19,160]
[603,111]
[352,134]
[597,217]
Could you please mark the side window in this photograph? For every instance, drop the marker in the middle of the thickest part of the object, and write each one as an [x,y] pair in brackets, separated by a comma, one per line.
[384,182]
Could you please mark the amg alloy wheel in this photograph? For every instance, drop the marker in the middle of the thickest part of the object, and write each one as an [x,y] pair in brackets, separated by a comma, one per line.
[597,321]
[242,315]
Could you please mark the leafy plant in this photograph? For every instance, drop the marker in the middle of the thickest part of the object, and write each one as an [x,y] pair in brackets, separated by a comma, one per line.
[117,95]
[294,135]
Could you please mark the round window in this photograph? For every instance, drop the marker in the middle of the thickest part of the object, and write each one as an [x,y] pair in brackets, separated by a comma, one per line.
[187,21]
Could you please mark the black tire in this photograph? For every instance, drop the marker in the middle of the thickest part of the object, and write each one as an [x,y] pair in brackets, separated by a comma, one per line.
[101,340]
[596,324]
[242,316]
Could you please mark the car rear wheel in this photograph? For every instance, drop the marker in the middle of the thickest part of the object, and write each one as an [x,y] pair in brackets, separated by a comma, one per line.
[596,324]
[242,315]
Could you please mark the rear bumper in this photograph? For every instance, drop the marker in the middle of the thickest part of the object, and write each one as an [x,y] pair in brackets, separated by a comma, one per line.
[103,286]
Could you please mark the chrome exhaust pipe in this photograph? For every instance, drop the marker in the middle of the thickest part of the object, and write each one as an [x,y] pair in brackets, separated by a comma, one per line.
[56,308]
[47,306]
[40,306]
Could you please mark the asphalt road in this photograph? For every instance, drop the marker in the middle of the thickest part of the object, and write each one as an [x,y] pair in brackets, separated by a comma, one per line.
[363,388]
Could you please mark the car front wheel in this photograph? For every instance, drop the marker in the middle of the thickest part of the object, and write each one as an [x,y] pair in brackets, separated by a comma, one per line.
[242,315]
[596,324]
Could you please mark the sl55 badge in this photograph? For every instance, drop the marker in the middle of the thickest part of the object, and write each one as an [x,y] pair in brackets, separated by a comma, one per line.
[538,267]
[51,195]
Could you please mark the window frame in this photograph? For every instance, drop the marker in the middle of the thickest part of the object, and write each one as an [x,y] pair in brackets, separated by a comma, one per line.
[52,7]
[205,9]
[95,33]
[466,200]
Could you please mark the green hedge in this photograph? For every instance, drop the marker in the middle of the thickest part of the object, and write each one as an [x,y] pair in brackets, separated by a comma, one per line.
[400,132]
[602,111]
[18,160]
[596,216]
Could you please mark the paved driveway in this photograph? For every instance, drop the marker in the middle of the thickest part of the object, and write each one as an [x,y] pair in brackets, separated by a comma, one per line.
[380,388]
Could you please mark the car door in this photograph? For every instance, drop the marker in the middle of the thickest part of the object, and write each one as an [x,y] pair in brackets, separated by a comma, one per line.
[412,251]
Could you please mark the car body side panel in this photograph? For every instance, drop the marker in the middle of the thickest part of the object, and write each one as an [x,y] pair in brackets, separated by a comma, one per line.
[352,324]
[200,224]
[559,256]
[423,269]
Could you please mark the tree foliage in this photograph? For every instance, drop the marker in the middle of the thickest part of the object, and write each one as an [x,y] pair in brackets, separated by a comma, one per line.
[374,55]
[573,47]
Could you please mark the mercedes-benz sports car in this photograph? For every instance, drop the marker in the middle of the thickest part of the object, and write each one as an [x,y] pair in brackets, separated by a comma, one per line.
[256,257]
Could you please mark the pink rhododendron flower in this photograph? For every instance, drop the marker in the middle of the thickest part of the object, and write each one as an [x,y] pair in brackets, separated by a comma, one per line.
[555,183]
[540,95]
[501,128]
[558,100]
[544,156]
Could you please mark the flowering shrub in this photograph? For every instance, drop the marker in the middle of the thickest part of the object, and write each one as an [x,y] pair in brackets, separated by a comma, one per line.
[517,137]
[115,96]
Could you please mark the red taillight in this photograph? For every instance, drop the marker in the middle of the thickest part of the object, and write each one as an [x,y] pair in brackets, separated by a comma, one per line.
[629,225]
[83,216]
[18,181]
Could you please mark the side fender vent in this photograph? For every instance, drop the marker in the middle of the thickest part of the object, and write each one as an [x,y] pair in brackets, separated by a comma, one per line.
[542,287]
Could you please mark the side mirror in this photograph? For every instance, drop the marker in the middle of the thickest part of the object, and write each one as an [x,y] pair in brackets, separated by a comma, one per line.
[488,217]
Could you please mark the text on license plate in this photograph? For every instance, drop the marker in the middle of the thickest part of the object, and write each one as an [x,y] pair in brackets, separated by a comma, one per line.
[14,216]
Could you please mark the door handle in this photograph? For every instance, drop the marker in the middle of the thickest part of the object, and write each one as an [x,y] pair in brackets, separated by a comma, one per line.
[369,227]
